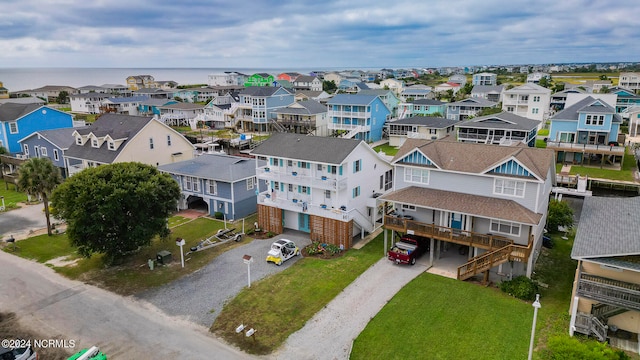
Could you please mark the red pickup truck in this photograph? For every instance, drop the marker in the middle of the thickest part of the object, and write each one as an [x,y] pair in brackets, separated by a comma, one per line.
[408,249]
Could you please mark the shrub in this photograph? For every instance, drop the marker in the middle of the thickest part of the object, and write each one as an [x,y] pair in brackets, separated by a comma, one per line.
[560,214]
[570,348]
[520,287]
[218,215]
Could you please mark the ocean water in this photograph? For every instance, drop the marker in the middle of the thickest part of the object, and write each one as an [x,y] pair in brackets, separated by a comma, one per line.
[16,79]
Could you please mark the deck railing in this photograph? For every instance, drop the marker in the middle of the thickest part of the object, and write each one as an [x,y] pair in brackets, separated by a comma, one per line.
[609,291]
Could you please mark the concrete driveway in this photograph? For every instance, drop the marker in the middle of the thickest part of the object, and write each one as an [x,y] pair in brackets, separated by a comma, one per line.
[19,222]
[200,296]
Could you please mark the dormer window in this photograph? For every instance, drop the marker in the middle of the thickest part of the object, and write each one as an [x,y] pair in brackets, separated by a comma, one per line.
[112,145]
[94,143]
[79,140]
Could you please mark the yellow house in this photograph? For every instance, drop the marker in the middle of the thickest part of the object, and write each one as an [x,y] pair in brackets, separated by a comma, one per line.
[125,138]
[606,290]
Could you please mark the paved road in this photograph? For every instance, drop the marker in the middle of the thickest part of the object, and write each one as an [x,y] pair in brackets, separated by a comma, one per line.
[200,296]
[19,222]
[123,328]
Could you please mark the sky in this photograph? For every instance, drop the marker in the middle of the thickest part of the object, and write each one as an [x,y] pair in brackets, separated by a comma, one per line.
[308,34]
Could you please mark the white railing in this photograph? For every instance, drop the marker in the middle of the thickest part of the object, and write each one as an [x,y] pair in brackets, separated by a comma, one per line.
[580,147]
[301,177]
[417,135]
[358,114]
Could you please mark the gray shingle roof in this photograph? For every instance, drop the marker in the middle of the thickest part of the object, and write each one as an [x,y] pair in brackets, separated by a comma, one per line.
[117,127]
[183,106]
[61,138]
[503,120]
[307,107]
[307,148]
[259,90]
[481,89]
[586,105]
[122,100]
[217,167]
[13,111]
[476,101]
[608,227]
[352,99]
[427,102]
[428,121]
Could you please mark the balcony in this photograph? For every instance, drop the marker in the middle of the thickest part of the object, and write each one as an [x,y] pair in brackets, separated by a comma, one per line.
[609,291]
[588,148]
[301,204]
[302,177]
[350,114]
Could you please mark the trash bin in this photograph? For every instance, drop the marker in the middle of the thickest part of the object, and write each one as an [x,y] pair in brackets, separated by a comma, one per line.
[163,257]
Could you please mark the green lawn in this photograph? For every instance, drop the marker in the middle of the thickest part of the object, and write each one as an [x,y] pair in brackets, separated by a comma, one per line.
[11,196]
[541,144]
[132,275]
[387,149]
[434,317]
[543,132]
[626,174]
[300,291]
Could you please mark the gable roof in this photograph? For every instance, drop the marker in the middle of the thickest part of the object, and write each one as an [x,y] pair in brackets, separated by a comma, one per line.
[586,105]
[477,158]
[183,106]
[503,120]
[428,102]
[528,88]
[123,100]
[307,148]
[219,167]
[304,78]
[473,101]
[608,228]
[481,89]
[13,111]
[260,90]
[427,121]
[117,127]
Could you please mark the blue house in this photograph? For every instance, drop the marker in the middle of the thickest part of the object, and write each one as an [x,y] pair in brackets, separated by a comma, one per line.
[586,131]
[51,144]
[257,105]
[217,183]
[19,120]
[361,116]
[626,98]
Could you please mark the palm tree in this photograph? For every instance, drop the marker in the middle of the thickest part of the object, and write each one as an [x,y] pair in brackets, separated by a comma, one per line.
[38,177]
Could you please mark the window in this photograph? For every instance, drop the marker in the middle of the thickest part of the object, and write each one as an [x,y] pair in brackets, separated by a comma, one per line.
[168,140]
[187,182]
[319,167]
[112,145]
[26,149]
[289,162]
[56,157]
[356,191]
[327,194]
[13,127]
[505,227]
[195,184]
[433,131]
[94,143]
[213,187]
[251,183]
[420,176]
[43,151]
[304,189]
[386,180]
[79,140]
[534,110]
[510,108]
[357,166]
[509,187]
[536,99]
[151,143]
[408,207]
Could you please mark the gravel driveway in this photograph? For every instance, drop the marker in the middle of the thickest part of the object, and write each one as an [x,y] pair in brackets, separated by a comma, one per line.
[200,296]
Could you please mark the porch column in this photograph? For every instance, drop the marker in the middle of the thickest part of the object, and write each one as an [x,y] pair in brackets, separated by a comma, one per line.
[384,251]
[431,250]
[574,313]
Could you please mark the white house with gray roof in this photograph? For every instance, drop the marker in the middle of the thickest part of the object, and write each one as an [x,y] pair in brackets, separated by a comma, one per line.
[303,117]
[605,301]
[419,127]
[88,103]
[529,100]
[500,129]
[323,186]
[488,201]
[489,92]
[463,109]
[217,183]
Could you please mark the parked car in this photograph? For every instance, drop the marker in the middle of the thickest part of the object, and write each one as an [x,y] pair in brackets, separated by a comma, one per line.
[22,353]
[281,251]
[408,249]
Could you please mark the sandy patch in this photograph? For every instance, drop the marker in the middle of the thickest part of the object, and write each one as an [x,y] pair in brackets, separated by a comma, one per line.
[62,261]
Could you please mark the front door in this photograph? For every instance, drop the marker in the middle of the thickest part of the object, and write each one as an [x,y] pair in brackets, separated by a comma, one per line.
[456,221]
[303,222]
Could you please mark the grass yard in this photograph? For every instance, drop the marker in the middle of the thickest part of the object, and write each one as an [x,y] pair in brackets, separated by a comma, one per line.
[11,196]
[626,174]
[387,149]
[133,274]
[300,292]
[541,144]
[434,317]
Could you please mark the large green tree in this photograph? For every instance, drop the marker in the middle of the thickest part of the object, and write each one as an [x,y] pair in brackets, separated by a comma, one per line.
[115,209]
[560,214]
[39,177]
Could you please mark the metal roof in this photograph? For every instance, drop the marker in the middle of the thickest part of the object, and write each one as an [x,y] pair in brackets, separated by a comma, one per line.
[219,167]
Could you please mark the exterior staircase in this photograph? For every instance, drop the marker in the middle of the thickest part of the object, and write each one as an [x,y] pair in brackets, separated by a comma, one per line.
[277,126]
[353,132]
[484,262]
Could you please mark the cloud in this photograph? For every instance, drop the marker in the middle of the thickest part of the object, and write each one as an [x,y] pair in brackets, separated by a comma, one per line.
[354,33]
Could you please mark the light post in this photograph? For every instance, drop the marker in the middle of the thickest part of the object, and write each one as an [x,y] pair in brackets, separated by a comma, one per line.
[536,305]
[248,260]
[180,242]
[2,207]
